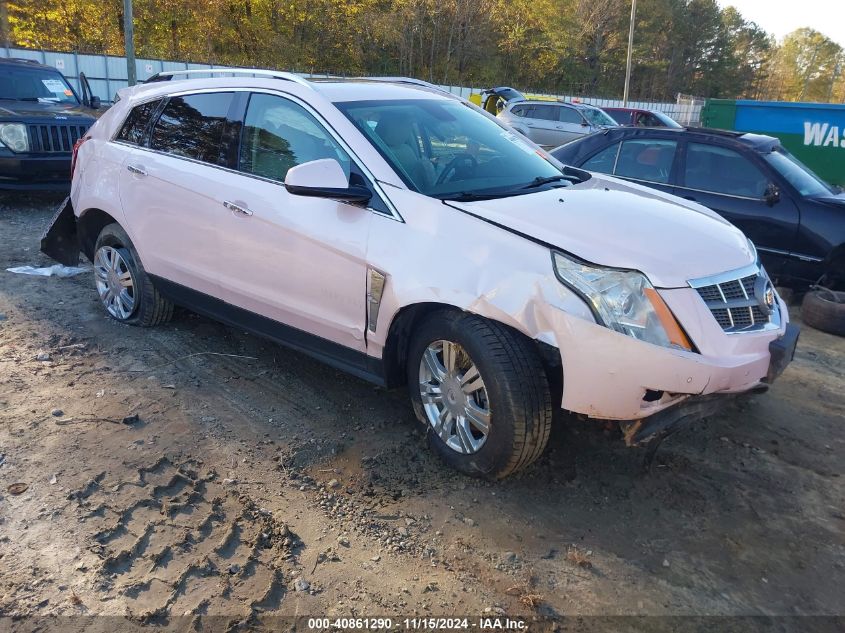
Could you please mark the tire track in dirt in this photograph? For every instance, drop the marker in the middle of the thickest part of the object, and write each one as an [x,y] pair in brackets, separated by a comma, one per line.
[179,543]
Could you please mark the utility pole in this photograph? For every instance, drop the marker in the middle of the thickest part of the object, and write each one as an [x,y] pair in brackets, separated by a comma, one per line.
[129,41]
[630,53]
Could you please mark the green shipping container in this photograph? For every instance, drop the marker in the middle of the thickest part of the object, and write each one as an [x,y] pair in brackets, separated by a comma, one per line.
[814,132]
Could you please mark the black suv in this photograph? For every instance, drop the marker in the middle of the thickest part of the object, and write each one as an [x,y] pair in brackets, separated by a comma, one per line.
[796,220]
[41,117]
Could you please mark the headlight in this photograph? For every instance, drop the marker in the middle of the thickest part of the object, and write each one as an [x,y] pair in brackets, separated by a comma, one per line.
[13,136]
[623,300]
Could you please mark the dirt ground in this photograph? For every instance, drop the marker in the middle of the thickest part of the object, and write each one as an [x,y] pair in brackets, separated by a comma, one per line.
[257,481]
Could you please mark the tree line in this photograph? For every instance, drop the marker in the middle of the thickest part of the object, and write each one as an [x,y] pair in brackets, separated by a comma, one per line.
[559,46]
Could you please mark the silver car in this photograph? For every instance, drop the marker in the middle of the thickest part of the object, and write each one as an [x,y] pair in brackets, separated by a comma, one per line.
[552,123]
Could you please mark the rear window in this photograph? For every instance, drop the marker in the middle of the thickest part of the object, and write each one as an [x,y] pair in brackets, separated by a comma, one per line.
[135,129]
[193,126]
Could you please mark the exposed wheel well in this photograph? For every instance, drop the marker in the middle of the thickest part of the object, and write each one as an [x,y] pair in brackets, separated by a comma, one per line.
[88,227]
[409,317]
[835,268]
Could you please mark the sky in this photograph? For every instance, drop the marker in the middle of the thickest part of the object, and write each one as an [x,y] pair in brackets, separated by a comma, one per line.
[780,17]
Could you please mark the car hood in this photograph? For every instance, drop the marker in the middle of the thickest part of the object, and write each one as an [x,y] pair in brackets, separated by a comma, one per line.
[614,223]
[42,111]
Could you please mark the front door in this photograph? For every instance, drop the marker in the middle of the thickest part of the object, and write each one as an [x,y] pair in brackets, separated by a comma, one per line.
[295,261]
[734,186]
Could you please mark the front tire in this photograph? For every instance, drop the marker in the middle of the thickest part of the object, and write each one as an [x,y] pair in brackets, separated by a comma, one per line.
[480,389]
[125,290]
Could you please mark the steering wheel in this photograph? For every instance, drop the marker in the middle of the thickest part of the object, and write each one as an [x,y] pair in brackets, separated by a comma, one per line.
[452,167]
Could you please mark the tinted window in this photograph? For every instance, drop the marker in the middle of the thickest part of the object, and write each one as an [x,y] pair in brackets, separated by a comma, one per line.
[646,119]
[622,117]
[279,134]
[722,170]
[135,127]
[545,112]
[603,161]
[519,110]
[646,159]
[570,115]
[193,126]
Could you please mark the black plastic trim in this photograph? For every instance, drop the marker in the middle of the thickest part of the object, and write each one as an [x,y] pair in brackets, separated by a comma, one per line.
[357,363]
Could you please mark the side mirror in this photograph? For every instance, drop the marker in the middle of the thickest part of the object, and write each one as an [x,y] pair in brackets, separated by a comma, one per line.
[95,103]
[772,194]
[324,178]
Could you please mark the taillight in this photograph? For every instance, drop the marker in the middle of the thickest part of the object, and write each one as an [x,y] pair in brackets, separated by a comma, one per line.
[76,147]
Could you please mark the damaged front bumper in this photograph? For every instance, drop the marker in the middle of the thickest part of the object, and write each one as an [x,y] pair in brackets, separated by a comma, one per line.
[60,239]
[692,408]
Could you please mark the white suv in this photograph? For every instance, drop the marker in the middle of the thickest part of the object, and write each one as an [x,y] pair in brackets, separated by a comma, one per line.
[406,236]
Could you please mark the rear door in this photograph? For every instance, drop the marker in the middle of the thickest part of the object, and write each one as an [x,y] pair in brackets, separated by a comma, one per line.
[733,184]
[647,161]
[541,120]
[170,190]
[571,125]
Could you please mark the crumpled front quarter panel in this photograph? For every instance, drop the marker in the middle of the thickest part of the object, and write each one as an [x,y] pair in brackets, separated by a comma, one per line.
[442,255]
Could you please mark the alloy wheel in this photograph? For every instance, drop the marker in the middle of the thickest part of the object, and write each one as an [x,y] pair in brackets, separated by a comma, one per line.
[115,283]
[454,397]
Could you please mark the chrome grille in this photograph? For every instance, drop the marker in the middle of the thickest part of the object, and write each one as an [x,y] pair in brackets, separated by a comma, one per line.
[55,138]
[733,303]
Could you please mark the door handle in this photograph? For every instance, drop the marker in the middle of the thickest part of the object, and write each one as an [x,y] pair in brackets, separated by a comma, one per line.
[236,208]
[136,170]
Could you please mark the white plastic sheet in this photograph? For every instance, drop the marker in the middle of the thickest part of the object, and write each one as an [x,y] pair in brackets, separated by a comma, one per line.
[56,270]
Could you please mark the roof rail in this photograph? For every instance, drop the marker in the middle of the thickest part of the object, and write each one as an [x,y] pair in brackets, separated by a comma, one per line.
[167,75]
[409,80]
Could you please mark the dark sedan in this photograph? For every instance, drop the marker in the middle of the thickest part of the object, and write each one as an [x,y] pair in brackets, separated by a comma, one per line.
[796,220]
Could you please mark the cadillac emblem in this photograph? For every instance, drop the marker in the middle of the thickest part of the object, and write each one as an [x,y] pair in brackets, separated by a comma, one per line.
[764,293]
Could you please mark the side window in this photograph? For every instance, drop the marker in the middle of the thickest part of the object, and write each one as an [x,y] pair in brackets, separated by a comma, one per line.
[193,126]
[622,117]
[137,124]
[646,159]
[604,161]
[518,111]
[279,134]
[544,112]
[570,115]
[647,119]
[722,170]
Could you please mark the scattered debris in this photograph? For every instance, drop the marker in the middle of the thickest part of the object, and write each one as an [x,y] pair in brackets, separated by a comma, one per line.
[43,357]
[57,413]
[56,270]
[579,557]
[131,419]
[53,480]
[300,584]
[17,488]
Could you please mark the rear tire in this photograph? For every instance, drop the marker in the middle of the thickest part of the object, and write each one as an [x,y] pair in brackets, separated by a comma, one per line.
[117,265]
[496,380]
[825,311]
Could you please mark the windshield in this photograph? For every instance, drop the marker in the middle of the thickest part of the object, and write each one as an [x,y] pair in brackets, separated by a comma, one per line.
[798,175]
[35,84]
[597,117]
[445,149]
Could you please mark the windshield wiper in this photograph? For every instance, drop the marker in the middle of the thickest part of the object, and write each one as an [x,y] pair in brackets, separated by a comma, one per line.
[468,196]
[540,181]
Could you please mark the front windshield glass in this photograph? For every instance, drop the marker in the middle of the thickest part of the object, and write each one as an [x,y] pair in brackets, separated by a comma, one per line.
[35,84]
[445,149]
[799,176]
[598,117]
